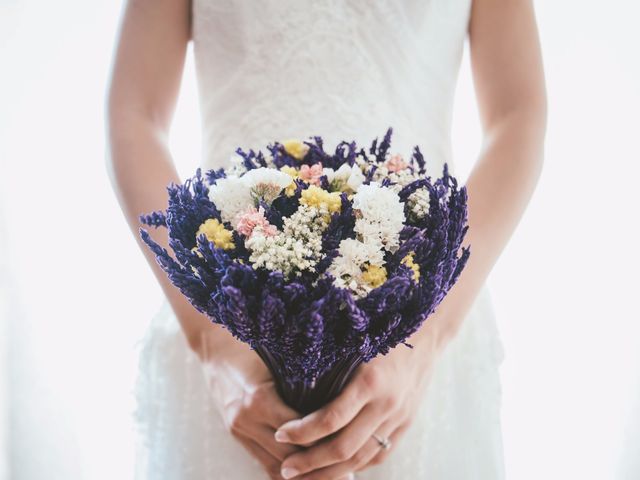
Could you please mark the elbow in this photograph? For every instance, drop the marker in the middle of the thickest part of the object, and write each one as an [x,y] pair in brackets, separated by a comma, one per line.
[521,128]
[122,138]
[129,129]
[120,121]
[128,115]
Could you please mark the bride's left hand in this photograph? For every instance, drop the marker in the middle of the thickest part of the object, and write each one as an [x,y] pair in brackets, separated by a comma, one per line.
[380,400]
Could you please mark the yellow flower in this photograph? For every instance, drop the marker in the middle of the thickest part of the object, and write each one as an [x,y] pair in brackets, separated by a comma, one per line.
[374,275]
[408,261]
[216,233]
[295,148]
[315,196]
[293,173]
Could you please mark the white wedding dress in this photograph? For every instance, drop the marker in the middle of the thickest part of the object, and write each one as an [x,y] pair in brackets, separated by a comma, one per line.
[275,69]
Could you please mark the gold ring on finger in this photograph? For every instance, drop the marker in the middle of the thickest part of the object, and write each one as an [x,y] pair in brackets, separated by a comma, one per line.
[384,442]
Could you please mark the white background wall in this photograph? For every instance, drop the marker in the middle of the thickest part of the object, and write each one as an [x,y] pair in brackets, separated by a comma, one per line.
[565,289]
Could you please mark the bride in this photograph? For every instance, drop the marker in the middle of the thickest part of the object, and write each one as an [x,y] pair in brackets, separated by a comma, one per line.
[274,69]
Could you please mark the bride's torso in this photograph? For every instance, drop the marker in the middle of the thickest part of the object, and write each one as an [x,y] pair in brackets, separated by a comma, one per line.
[343,69]
[275,69]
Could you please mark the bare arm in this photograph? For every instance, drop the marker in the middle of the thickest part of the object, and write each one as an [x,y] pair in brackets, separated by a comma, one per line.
[142,96]
[510,89]
[144,88]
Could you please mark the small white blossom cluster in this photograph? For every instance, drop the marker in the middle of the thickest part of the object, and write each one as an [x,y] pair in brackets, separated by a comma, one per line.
[346,178]
[398,179]
[296,248]
[233,195]
[418,203]
[379,216]
[307,224]
[354,257]
[266,176]
[379,220]
[279,253]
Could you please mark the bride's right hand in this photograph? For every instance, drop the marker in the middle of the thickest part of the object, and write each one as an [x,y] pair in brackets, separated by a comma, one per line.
[246,397]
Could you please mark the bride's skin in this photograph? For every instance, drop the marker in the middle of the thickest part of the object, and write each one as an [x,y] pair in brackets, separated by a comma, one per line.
[385,393]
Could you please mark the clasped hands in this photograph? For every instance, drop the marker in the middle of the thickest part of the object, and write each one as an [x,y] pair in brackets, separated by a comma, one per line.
[339,439]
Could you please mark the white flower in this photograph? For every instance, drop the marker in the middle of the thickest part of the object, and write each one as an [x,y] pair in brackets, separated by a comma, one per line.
[356,178]
[418,203]
[348,267]
[231,196]
[269,176]
[380,215]
[398,179]
[234,194]
[345,178]
[266,183]
[280,253]
[358,254]
[296,248]
[369,232]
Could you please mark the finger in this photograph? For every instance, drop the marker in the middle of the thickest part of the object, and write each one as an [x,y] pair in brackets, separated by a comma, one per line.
[363,456]
[265,404]
[269,462]
[327,420]
[263,436]
[382,454]
[340,448]
[275,412]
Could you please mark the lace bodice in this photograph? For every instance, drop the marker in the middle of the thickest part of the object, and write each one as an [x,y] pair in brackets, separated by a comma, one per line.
[276,69]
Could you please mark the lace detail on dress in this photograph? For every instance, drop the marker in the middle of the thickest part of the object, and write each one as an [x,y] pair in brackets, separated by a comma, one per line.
[339,69]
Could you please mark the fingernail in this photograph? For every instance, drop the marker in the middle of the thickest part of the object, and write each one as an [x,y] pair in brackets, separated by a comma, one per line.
[282,437]
[289,472]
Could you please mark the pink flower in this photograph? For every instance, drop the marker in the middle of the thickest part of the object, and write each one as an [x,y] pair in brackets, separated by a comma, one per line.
[311,174]
[396,163]
[251,219]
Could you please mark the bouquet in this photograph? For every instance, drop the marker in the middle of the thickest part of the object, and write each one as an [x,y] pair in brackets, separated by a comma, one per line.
[318,261]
